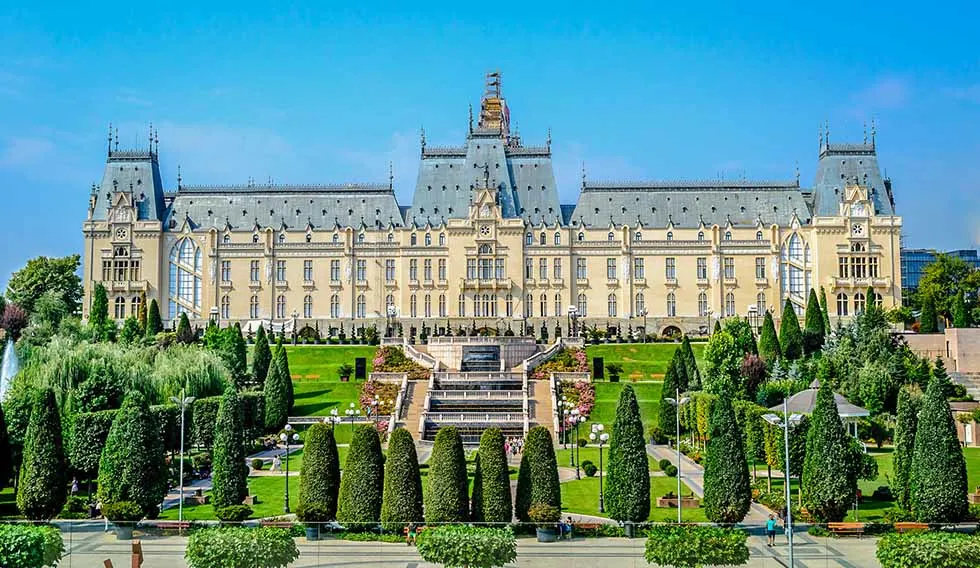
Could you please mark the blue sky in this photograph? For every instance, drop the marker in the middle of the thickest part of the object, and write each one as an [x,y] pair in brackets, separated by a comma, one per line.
[332,94]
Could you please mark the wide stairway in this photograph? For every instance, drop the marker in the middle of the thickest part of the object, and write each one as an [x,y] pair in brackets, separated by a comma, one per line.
[473,401]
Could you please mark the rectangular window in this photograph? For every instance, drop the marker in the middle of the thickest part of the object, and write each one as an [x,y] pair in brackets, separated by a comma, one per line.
[335,271]
[413,270]
[610,269]
[543,268]
[471,268]
[580,272]
[499,267]
[361,270]
[442,269]
[760,268]
[427,269]
[842,267]
[638,271]
[702,268]
[872,266]
[729,268]
[389,270]
[307,271]
[281,270]
[670,269]
[557,270]
[253,271]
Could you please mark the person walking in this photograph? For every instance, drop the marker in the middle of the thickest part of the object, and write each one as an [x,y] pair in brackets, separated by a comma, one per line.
[771,530]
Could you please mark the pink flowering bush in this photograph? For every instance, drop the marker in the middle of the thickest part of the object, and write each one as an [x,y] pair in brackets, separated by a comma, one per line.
[569,360]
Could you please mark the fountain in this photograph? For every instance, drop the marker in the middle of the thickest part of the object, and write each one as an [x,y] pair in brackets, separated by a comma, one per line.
[10,366]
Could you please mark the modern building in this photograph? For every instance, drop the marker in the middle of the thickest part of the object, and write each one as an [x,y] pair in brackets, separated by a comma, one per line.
[914,263]
[486,241]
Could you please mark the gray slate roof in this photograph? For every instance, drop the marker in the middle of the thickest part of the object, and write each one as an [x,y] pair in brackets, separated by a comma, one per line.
[135,170]
[805,401]
[688,203]
[845,163]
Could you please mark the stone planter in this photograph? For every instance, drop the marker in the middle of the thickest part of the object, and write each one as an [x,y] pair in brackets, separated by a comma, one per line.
[671,502]
[312,533]
[124,532]
[546,534]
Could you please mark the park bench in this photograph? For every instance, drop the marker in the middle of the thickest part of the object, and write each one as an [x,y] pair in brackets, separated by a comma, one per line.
[846,528]
[910,526]
[276,524]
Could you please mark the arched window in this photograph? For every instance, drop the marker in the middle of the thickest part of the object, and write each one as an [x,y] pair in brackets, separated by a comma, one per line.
[544,305]
[702,304]
[528,239]
[760,302]
[442,305]
[361,306]
[671,305]
[728,235]
[282,238]
[543,239]
[842,304]
[700,236]
[557,238]
[582,305]
[529,306]
[427,306]
[428,239]
[641,303]
[758,235]
[610,236]
[858,303]
[308,306]
[135,307]
[226,239]
[611,305]
[413,306]
[281,307]
[442,239]
[225,307]
[120,308]
[670,235]
[185,279]
[414,239]
[253,307]
[729,304]
[335,306]
[581,236]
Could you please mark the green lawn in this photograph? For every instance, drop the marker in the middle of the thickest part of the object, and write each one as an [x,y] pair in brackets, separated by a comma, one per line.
[591,453]
[640,361]
[582,496]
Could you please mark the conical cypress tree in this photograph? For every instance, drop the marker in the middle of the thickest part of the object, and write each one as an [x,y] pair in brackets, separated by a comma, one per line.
[667,416]
[938,480]
[691,364]
[185,334]
[928,320]
[362,483]
[42,487]
[281,360]
[98,318]
[727,488]
[447,496]
[153,323]
[828,485]
[402,502]
[497,506]
[141,313]
[132,467]
[276,398]
[961,317]
[627,474]
[319,478]
[6,468]
[823,310]
[261,357]
[476,497]
[537,479]
[230,474]
[905,426]
[769,341]
[790,336]
[813,330]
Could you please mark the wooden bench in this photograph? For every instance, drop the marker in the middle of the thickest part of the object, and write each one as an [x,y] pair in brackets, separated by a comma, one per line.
[276,524]
[910,526]
[846,528]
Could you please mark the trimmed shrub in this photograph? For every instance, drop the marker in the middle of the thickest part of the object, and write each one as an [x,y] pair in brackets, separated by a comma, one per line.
[459,545]
[42,488]
[931,549]
[229,477]
[537,478]
[627,472]
[236,547]
[497,503]
[402,502]
[727,490]
[362,484]
[446,496]
[938,479]
[319,478]
[905,426]
[261,357]
[26,546]
[829,479]
[693,546]
[790,335]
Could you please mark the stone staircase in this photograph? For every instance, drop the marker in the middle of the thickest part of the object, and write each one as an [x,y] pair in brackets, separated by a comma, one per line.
[970,380]
[414,405]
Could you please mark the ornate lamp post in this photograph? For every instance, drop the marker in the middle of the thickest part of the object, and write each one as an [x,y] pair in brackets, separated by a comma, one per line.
[786,423]
[351,413]
[288,436]
[183,402]
[601,437]
[678,403]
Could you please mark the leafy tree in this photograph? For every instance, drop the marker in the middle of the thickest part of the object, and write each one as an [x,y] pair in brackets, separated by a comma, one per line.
[98,319]
[790,336]
[230,474]
[446,497]
[47,275]
[132,466]
[824,311]
[828,485]
[41,489]
[813,329]
[6,455]
[261,357]
[537,478]
[153,323]
[723,363]
[961,317]
[727,489]
[319,478]
[362,484]
[402,503]
[928,321]
[185,334]
[627,474]
[768,340]
[276,399]
[667,415]
[692,374]
[938,478]
[141,313]
[905,426]
[130,331]
[496,503]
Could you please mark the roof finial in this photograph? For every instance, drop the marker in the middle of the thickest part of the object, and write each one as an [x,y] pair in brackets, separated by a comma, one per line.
[548,140]
[471,118]
[391,175]
[422,137]
[109,149]
[179,179]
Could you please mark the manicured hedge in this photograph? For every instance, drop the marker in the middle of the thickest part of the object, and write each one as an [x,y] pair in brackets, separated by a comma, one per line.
[692,546]
[929,550]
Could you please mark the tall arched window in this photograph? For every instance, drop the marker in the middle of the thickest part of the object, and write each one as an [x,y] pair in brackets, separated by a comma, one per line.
[120,308]
[729,304]
[760,302]
[842,304]
[611,305]
[308,306]
[135,307]
[253,307]
[185,279]
[361,306]
[544,305]
[641,303]
[859,303]
[671,305]
[582,306]
[702,304]
[335,306]
[281,307]
[413,306]
[225,307]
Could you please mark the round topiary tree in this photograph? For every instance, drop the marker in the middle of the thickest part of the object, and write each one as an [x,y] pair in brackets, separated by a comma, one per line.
[790,335]
[627,471]
[261,357]
[362,483]
[446,497]
[537,479]
[42,486]
[938,481]
[132,466]
[905,426]
[496,503]
[727,489]
[230,474]
[319,478]
[828,484]
[402,502]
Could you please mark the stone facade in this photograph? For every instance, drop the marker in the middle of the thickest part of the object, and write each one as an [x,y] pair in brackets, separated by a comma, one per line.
[486,243]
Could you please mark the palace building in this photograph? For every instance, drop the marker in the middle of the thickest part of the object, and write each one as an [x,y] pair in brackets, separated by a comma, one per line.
[487,242]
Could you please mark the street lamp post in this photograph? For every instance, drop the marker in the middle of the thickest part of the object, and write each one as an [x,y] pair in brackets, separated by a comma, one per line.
[598,435]
[678,403]
[287,436]
[787,422]
[183,402]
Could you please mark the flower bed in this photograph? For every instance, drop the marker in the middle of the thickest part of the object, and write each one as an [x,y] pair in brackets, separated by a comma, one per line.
[581,394]
[386,393]
[391,359]
[568,360]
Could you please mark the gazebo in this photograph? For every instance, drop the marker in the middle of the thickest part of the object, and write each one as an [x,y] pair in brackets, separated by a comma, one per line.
[804,402]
